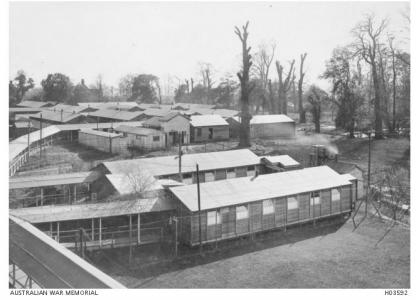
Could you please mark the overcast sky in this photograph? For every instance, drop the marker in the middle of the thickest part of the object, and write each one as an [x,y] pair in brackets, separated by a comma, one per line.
[83,40]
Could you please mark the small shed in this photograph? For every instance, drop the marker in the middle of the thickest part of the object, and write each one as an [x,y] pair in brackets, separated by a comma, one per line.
[207,128]
[279,163]
[173,125]
[142,138]
[242,206]
[265,126]
[103,141]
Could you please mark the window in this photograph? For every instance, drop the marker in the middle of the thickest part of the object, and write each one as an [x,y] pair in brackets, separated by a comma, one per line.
[187,175]
[156,138]
[125,134]
[251,171]
[335,195]
[315,199]
[209,176]
[230,173]
[138,137]
[268,207]
[292,203]
[211,133]
[213,218]
[242,212]
[198,131]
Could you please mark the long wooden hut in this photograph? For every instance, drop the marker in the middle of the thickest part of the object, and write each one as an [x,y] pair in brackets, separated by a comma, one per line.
[241,206]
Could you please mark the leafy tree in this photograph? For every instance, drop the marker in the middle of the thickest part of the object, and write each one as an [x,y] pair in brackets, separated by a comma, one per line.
[58,87]
[144,88]
[316,98]
[18,88]
[347,88]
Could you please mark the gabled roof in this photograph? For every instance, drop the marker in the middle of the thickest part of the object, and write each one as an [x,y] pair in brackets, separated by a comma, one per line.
[169,165]
[101,133]
[67,108]
[208,120]
[137,130]
[242,190]
[170,116]
[35,104]
[265,119]
[116,114]
[56,116]
[152,122]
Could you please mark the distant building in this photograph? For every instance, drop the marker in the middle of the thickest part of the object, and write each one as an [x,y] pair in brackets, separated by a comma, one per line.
[71,108]
[141,138]
[212,165]
[111,115]
[48,117]
[35,104]
[207,128]
[265,126]
[103,141]
[174,125]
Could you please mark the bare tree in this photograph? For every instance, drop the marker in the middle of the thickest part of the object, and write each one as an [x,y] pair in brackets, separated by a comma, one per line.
[393,190]
[302,116]
[246,87]
[284,86]
[263,59]
[207,80]
[140,182]
[367,40]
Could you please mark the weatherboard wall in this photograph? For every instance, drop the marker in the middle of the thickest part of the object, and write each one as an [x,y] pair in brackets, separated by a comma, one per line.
[228,224]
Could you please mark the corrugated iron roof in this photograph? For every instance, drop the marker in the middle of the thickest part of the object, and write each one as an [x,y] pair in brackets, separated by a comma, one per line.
[207,120]
[116,114]
[34,104]
[265,119]
[284,160]
[67,108]
[169,165]
[20,144]
[56,116]
[138,130]
[101,133]
[51,180]
[236,191]
[50,264]
[55,213]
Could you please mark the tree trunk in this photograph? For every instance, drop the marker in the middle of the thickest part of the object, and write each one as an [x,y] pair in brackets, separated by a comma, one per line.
[378,126]
[302,116]
[244,78]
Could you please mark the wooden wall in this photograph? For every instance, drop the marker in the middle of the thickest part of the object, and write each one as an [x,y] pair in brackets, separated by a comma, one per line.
[229,226]
[220,133]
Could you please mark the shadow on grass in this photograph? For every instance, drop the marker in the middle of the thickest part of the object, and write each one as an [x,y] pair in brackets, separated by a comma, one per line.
[152,260]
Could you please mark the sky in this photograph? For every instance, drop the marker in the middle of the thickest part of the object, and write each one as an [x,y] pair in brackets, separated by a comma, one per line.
[170,40]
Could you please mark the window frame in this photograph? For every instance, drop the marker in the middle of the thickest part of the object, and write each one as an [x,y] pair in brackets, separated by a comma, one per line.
[268,207]
[237,212]
[338,190]
[288,202]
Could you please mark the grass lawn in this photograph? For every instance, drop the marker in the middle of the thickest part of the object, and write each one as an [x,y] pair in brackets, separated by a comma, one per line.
[327,256]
